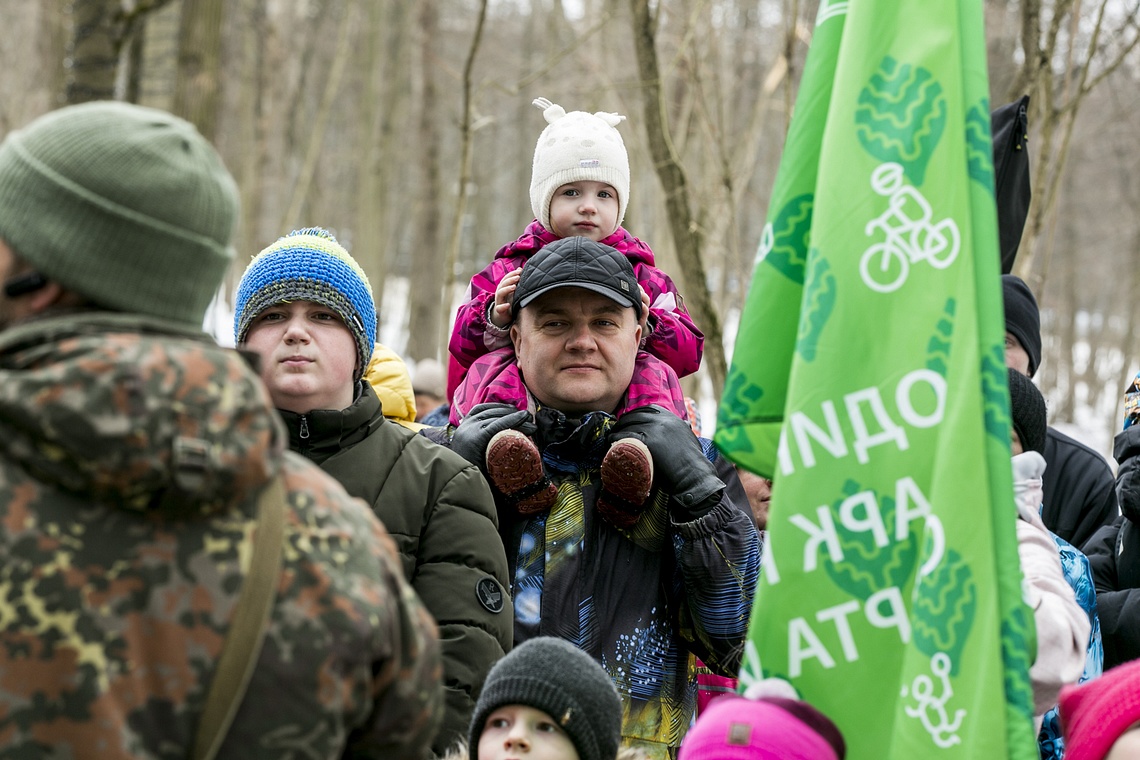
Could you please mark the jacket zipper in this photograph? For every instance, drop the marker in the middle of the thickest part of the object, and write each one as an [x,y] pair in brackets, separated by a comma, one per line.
[303,434]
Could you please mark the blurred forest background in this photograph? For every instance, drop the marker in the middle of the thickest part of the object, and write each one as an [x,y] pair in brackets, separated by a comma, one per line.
[406,127]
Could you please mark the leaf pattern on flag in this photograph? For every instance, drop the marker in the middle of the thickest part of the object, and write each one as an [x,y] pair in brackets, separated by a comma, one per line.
[867,568]
[944,609]
[995,395]
[900,116]
[819,301]
[740,394]
[979,153]
[938,348]
[790,238]
[1018,651]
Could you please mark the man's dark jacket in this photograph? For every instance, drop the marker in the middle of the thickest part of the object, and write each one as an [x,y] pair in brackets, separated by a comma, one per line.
[639,600]
[1114,553]
[1080,495]
[441,514]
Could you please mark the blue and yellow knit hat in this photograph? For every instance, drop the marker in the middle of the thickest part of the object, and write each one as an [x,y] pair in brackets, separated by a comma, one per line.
[309,265]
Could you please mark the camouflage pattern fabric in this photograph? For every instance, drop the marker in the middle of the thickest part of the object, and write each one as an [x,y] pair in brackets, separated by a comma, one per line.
[132,453]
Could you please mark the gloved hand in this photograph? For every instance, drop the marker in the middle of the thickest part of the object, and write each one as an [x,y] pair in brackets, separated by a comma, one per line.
[470,439]
[679,465]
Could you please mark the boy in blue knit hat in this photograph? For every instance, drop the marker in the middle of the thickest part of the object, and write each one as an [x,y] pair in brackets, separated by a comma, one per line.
[305,307]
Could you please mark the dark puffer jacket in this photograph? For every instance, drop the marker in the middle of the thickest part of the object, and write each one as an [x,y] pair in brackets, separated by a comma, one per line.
[1114,553]
[1080,497]
[132,457]
[441,514]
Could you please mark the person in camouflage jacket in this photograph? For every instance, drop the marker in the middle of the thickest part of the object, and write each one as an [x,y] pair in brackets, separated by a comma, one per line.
[133,453]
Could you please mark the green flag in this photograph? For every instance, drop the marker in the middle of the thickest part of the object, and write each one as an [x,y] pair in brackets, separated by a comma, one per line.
[868,379]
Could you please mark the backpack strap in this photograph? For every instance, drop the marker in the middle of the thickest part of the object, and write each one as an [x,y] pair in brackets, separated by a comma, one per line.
[242,645]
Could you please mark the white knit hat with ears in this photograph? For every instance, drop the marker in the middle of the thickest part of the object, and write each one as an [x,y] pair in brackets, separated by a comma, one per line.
[577,146]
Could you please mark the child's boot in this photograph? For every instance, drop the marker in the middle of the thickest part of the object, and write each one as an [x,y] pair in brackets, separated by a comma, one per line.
[627,479]
[514,467]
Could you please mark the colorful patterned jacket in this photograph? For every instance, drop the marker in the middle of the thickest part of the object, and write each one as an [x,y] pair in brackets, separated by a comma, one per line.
[132,456]
[673,337]
[1078,574]
[644,602]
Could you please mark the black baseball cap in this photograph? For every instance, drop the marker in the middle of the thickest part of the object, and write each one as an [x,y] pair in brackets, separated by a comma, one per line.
[578,262]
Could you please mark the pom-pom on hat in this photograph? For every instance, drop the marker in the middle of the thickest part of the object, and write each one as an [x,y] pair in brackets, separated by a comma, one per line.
[309,265]
[1027,408]
[577,146]
[1022,317]
[558,678]
[1096,713]
[128,206]
[769,727]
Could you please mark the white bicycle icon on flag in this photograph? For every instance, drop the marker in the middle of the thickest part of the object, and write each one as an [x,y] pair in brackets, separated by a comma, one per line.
[911,237]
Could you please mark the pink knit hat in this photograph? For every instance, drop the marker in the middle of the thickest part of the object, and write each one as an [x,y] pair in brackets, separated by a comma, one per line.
[1095,714]
[769,728]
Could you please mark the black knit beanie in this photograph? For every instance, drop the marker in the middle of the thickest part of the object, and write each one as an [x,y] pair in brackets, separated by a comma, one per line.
[1022,317]
[1027,407]
[558,678]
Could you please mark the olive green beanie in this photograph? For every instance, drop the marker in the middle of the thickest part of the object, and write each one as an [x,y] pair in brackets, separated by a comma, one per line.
[128,206]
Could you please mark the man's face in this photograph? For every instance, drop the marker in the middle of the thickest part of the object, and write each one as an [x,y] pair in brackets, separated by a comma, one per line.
[308,356]
[1016,357]
[576,349]
[759,492]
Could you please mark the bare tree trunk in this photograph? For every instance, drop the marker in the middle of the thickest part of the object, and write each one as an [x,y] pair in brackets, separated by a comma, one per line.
[320,120]
[93,52]
[465,136]
[55,41]
[101,30]
[423,323]
[686,233]
[1058,97]
[253,137]
[133,73]
[390,200]
[196,82]
[367,225]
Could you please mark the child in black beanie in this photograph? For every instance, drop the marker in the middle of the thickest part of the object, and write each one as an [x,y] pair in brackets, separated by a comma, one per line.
[547,698]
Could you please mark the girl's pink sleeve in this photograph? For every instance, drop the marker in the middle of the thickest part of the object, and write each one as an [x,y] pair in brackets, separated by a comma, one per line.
[673,338]
[472,335]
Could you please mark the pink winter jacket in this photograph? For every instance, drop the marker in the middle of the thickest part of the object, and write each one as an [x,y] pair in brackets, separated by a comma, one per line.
[673,337]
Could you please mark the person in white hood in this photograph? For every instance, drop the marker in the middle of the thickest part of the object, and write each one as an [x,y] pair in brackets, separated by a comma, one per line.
[1062,626]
